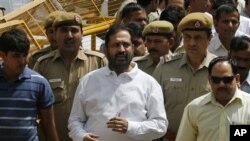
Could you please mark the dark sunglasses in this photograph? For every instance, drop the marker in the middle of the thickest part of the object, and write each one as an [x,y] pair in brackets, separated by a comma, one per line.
[226,79]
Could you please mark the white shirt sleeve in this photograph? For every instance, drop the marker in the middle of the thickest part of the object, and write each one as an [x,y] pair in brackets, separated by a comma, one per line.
[156,124]
[77,116]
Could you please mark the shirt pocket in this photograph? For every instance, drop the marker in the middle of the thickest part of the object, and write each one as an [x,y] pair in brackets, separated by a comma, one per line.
[204,88]
[58,91]
[174,92]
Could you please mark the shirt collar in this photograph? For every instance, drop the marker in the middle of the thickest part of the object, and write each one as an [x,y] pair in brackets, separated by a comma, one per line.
[132,73]
[218,43]
[24,74]
[211,99]
[80,55]
[150,61]
[205,63]
[247,79]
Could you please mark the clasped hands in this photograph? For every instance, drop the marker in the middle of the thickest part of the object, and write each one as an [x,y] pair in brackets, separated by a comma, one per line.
[117,124]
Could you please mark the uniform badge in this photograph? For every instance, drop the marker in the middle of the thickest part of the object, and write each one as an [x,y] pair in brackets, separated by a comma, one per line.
[155,29]
[77,19]
[197,24]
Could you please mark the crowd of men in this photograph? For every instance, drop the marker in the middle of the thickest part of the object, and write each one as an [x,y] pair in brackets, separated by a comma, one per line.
[168,70]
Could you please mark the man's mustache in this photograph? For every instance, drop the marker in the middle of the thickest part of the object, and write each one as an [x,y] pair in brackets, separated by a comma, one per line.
[152,50]
[69,40]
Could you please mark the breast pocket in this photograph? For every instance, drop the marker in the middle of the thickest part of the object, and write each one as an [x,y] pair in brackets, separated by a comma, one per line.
[174,92]
[59,93]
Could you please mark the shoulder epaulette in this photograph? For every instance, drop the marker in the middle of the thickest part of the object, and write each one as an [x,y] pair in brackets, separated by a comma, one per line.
[140,58]
[49,55]
[172,57]
[40,51]
[94,53]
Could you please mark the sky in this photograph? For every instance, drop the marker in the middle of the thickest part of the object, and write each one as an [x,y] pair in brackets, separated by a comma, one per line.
[10,5]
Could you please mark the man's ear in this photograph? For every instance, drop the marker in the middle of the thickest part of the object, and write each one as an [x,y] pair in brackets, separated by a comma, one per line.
[171,42]
[188,9]
[2,54]
[237,77]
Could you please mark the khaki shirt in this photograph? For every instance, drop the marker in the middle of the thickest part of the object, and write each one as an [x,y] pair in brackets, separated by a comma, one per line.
[180,49]
[145,63]
[181,84]
[65,81]
[37,54]
[204,119]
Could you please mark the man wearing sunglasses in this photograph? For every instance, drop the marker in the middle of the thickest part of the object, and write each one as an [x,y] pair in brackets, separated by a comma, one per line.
[240,51]
[208,117]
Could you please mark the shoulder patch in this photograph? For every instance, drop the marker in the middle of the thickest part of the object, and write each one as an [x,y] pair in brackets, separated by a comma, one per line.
[172,57]
[94,53]
[40,51]
[49,55]
[140,58]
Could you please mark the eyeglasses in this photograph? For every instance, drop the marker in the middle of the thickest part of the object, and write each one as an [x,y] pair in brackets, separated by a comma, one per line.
[226,79]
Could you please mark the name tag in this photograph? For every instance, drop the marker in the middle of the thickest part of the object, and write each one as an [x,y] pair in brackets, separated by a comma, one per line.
[175,79]
[55,80]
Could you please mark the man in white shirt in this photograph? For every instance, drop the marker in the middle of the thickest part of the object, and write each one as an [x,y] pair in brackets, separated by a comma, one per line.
[118,102]
[226,23]
[240,51]
[244,21]
[246,9]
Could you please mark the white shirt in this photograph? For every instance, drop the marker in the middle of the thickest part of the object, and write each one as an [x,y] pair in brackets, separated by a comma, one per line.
[245,86]
[244,25]
[215,46]
[102,94]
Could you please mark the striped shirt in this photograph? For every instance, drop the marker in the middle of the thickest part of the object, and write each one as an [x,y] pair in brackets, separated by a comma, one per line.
[20,102]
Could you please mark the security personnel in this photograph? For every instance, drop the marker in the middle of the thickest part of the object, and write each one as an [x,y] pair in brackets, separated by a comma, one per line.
[49,31]
[158,39]
[65,66]
[184,77]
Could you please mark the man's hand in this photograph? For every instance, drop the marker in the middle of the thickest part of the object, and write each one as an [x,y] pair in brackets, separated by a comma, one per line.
[118,124]
[170,136]
[91,137]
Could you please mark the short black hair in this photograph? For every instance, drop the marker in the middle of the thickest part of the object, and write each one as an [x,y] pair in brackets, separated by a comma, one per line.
[144,3]
[239,43]
[129,9]
[14,40]
[116,28]
[227,8]
[186,3]
[136,28]
[173,14]
[218,3]
[230,61]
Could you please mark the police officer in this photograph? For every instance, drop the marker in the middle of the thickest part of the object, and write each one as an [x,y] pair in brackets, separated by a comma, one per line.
[184,77]
[65,66]
[49,31]
[158,39]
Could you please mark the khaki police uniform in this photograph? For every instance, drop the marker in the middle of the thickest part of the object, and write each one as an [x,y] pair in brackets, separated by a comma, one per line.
[64,82]
[35,55]
[47,24]
[160,28]
[145,63]
[64,79]
[179,81]
[181,84]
